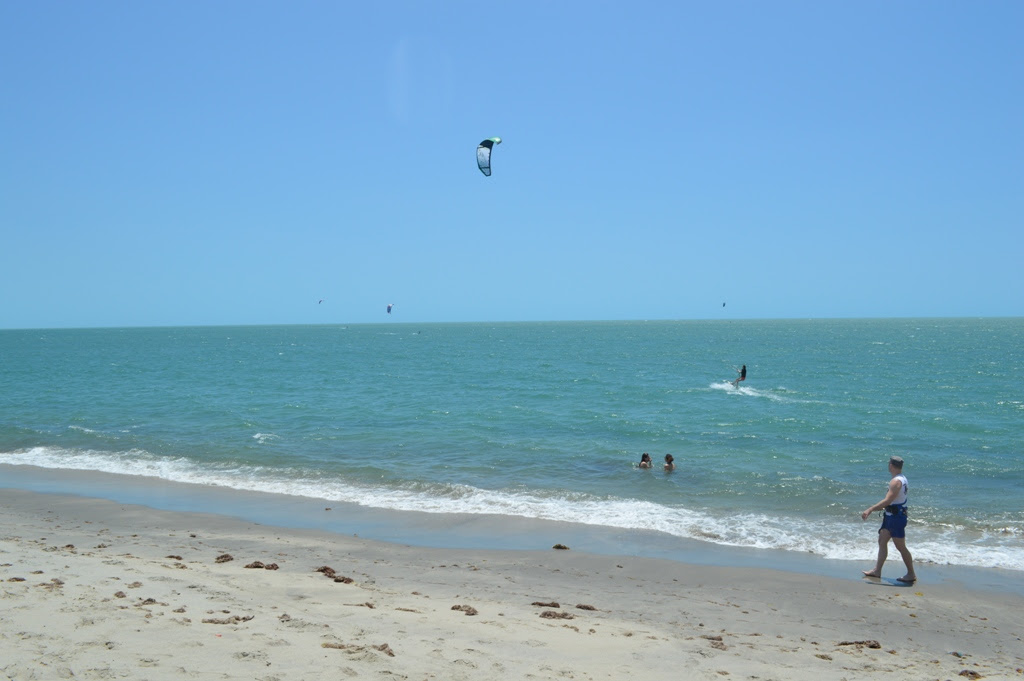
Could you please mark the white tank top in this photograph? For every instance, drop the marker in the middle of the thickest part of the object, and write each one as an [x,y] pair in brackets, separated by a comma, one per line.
[901,496]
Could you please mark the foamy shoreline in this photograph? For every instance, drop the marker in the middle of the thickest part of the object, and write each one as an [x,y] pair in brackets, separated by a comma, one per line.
[476,530]
[113,590]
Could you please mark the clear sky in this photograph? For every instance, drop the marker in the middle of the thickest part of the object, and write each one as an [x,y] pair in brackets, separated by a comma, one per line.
[235,162]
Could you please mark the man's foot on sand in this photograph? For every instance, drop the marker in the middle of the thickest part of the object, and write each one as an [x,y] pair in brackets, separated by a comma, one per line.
[872,573]
[907,579]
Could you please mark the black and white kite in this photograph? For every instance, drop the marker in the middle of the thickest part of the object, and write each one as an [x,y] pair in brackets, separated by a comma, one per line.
[483,154]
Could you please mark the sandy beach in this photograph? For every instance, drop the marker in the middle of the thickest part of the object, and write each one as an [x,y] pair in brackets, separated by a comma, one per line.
[93,589]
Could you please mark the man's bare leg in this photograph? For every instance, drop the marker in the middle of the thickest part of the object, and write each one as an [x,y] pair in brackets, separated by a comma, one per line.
[901,545]
[883,553]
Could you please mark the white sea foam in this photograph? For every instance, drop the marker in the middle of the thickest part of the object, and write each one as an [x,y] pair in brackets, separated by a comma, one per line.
[830,538]
[774,394]
[747,391]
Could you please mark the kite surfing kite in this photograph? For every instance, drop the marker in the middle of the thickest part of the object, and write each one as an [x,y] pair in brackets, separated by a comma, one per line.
[390,305]
[483,154]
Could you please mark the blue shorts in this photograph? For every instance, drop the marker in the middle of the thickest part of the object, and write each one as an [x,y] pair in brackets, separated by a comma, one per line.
[896,524]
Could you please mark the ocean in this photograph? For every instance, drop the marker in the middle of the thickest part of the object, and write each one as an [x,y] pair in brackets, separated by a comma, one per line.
[548,420]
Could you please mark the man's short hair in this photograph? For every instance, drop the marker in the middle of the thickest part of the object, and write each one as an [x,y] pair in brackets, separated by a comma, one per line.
[896,461]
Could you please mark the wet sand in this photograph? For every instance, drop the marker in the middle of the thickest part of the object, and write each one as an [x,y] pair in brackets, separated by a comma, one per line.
[94,589]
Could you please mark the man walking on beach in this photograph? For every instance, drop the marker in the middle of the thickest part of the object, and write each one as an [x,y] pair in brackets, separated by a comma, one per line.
[894,523]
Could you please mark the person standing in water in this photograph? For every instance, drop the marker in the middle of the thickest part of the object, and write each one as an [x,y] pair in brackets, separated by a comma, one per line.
[742,376]
[894,523]
[669,463]
[645,460]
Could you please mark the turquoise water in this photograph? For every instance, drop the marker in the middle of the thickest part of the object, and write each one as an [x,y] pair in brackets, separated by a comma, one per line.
[547,420]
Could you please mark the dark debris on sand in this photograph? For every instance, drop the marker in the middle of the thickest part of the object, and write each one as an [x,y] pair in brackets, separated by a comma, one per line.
[234,619]
[383,647]
[329,572]
[552,615]
[716,642]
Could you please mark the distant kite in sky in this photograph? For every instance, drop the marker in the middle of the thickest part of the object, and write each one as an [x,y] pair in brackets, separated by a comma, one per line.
[390,305]
[321,300]
[723,304]
[483,155]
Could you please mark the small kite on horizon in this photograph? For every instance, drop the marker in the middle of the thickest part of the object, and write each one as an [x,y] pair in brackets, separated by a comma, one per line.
[390,305]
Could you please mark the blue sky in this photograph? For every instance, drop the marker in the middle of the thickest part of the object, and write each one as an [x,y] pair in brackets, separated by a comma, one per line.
[235,162]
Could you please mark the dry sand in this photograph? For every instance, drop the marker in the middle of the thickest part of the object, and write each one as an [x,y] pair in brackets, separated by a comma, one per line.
[92,589]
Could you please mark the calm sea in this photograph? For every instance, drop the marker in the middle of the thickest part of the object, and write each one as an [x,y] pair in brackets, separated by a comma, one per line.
[548,420]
